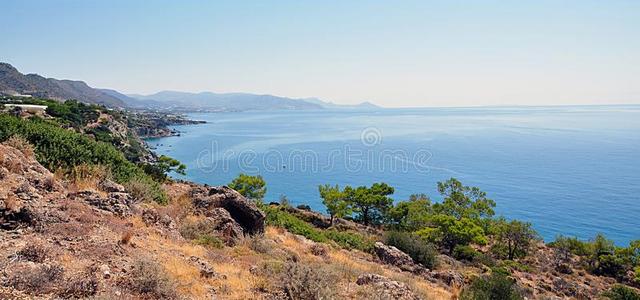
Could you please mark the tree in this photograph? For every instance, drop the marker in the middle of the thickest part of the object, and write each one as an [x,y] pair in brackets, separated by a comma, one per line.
[449,231]
[464,202]
[371,204]
[411,215]
[163,166]
[514,238]
[252,187]
[335,201]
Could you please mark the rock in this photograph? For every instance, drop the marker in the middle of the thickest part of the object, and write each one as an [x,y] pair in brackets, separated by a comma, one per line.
[449,277]
[117,203]
[390,289]
[226,226]
[243,211]
[393,256]
[111,187]
[206,271]
[105,271]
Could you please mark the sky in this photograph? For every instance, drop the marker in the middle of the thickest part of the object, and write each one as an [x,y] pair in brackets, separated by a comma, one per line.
[392,53]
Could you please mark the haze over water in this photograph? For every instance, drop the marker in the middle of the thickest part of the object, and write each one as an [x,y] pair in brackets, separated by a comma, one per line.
[568,170]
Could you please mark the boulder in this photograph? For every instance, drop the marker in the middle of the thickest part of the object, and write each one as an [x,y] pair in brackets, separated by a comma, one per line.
[246,213]
[393,256]
[226,226]
[111,187]
[116,203]
[390,289]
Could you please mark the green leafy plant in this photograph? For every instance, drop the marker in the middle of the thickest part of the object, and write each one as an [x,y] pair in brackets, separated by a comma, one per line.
[252,187]
[419,250]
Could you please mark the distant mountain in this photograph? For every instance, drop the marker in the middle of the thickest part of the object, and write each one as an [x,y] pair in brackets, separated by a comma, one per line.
[225,101]
[12,82]
[326,104]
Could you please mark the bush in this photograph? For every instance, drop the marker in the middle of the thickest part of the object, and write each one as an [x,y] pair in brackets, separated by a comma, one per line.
[345,239]
[143,189]
[302,281]
[419,250]
[200,232]
[81,286]
[21,144]
[209,240]
[281,218]
[38,280]
[37,253]
[495,286]
[466,253]
[149,278]
[609,265]
[350,240]
[57,148]
[621,292]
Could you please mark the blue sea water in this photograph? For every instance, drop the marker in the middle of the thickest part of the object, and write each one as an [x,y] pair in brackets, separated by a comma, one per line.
[568,170]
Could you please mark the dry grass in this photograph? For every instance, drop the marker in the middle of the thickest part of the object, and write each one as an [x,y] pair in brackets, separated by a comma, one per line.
[189,284]
[126,236]
[178,208]
[21,144]
[88,177]
[11,203]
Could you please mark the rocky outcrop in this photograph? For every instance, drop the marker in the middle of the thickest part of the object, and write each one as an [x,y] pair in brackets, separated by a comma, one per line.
[244,212]
[118,203]
[393,256]
[229,230]
[388,288]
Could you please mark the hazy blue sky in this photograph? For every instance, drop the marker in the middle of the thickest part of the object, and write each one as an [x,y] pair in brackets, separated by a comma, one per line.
[393,53]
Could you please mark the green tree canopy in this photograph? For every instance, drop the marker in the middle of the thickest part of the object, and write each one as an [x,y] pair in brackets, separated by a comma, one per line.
[252,187]
[513,238]
[412,214]
[370,203]
[463,201]
[335,201]
[449,231]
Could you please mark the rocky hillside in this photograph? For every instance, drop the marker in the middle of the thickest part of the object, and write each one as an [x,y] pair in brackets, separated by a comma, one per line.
[89,238]
[13,82]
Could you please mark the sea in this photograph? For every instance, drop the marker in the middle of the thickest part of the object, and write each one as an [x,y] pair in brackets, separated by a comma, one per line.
[570,170]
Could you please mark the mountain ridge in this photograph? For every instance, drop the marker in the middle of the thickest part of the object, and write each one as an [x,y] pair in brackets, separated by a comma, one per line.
[13,82]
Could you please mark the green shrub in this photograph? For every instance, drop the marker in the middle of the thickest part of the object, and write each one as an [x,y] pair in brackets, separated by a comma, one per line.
[419,250]
[143,189]
[621,292]
[345,239]
[58,148]
[208,240]
[293,224]
[350,240]
[495,286]
[467,253]
[508,266]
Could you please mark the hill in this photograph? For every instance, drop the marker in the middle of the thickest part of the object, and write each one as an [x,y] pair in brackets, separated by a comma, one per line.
[327,104]
[13,82]
[223,101]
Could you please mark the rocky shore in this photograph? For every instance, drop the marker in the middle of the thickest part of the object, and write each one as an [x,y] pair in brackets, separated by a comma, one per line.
[157,125]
